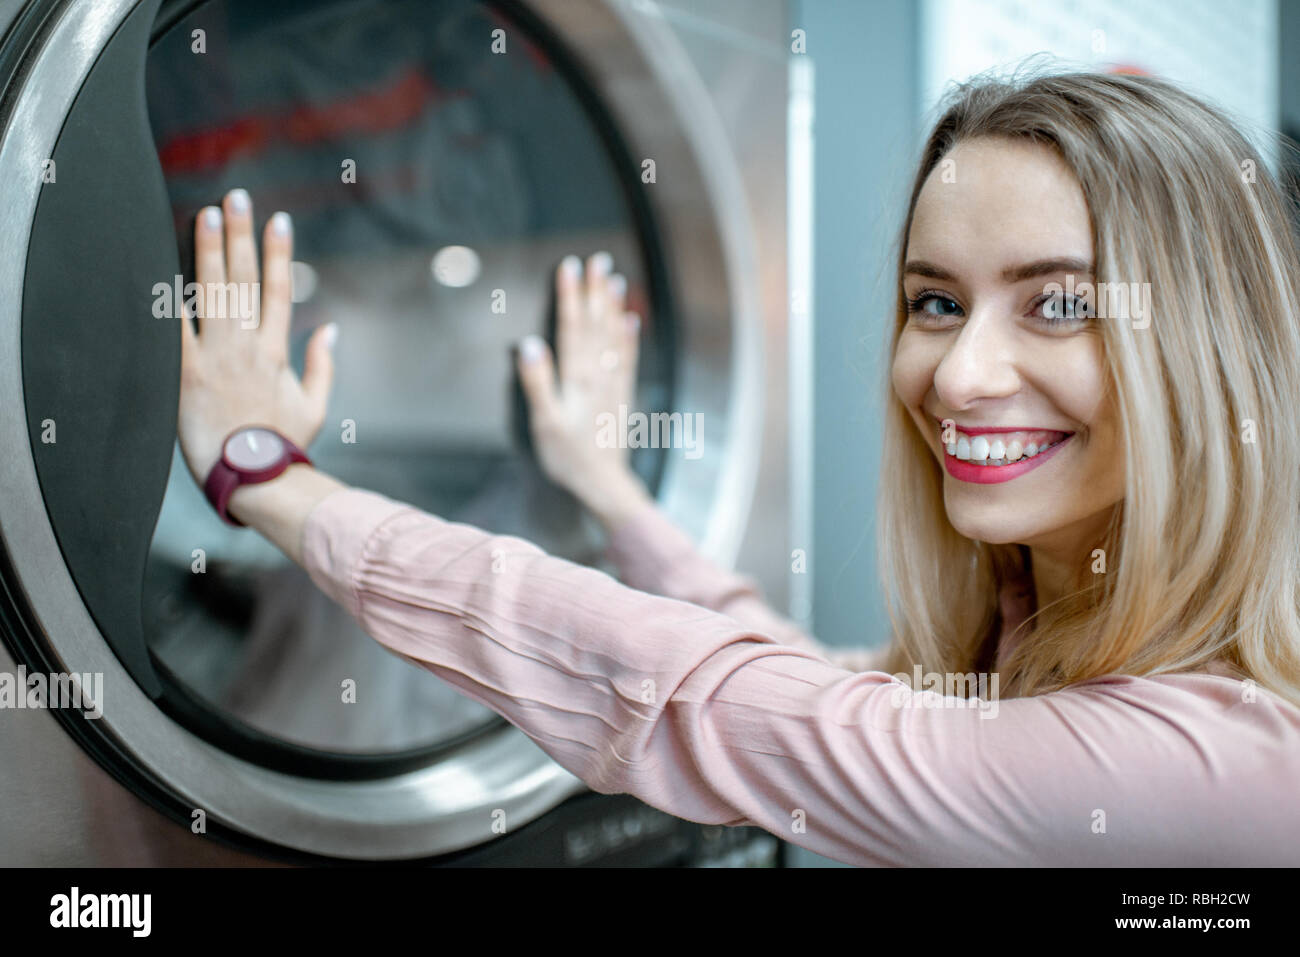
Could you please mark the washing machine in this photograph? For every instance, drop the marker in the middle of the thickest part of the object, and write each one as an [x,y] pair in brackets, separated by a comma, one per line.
[438,159]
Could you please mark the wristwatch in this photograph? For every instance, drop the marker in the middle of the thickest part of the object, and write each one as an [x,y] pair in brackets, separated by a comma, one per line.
[252,454]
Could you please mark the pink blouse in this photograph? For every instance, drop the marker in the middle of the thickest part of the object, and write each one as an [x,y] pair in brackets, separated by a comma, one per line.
[683,689]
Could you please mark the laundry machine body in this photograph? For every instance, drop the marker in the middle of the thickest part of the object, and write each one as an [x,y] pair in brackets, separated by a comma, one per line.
[237,715]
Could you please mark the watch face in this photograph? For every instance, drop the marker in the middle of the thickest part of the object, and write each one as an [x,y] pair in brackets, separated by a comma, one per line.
[253,449]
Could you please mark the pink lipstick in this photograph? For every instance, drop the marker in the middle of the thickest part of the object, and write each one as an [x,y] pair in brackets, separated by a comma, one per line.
[988,456]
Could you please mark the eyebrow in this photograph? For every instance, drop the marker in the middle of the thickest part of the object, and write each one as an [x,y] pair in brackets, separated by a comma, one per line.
[1012,274]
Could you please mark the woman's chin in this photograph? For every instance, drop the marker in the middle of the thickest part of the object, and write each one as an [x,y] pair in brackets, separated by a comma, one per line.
[988,525]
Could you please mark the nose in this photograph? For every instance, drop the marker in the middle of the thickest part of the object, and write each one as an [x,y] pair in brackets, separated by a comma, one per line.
[981,362]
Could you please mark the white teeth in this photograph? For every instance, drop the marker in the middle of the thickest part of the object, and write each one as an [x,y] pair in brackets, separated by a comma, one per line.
[980,450]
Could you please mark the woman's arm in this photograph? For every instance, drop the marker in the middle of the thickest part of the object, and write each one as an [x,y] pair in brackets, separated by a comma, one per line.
[705,718]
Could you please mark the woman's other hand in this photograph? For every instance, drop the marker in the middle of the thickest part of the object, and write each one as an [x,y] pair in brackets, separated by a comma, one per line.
[235,370]
[596,339]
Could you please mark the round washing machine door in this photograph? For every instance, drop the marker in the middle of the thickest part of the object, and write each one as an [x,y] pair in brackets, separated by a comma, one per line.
[438,160]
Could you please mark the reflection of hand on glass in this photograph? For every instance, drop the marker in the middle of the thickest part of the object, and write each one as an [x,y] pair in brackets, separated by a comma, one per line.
[574,412]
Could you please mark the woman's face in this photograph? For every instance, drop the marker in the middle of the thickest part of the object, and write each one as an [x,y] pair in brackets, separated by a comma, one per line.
[1013,365]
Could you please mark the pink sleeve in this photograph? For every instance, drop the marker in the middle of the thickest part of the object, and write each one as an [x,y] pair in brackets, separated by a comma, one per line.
[654,555]
[705,718]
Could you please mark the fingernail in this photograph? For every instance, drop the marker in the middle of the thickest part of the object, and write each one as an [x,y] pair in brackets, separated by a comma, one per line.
[281,224]
[531,349]
[239,201]
[572,266]
[634,322]
[617,284]
[331,335]
[212,218]
[602,263]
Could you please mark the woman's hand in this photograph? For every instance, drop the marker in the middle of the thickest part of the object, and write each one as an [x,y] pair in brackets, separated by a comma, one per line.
[597,344]
[235,370]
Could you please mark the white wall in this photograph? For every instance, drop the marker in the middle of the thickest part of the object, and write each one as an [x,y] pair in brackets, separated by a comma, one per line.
[1226,52]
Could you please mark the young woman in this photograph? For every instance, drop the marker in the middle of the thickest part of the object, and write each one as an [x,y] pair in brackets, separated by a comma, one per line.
[1092,497]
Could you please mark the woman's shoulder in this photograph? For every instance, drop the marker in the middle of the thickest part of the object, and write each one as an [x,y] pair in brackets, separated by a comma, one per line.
[1217,701]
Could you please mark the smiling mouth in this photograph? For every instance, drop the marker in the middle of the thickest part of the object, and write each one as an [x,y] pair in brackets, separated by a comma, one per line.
[998,455]
[1001,449]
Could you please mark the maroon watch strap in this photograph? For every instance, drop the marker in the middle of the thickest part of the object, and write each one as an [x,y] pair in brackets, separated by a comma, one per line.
[224,479]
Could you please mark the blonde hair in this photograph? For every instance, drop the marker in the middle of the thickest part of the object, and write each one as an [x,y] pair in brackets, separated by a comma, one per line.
[1203,554]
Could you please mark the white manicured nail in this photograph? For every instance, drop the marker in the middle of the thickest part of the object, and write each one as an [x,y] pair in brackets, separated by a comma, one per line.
[602,263]
[531,348]
[212,218]
[239,201]
[572,266]
[280,224]
[617,284]
[331,335]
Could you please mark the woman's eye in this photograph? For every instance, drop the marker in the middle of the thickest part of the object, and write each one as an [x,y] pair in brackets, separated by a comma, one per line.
[933,304]
[1062,308]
